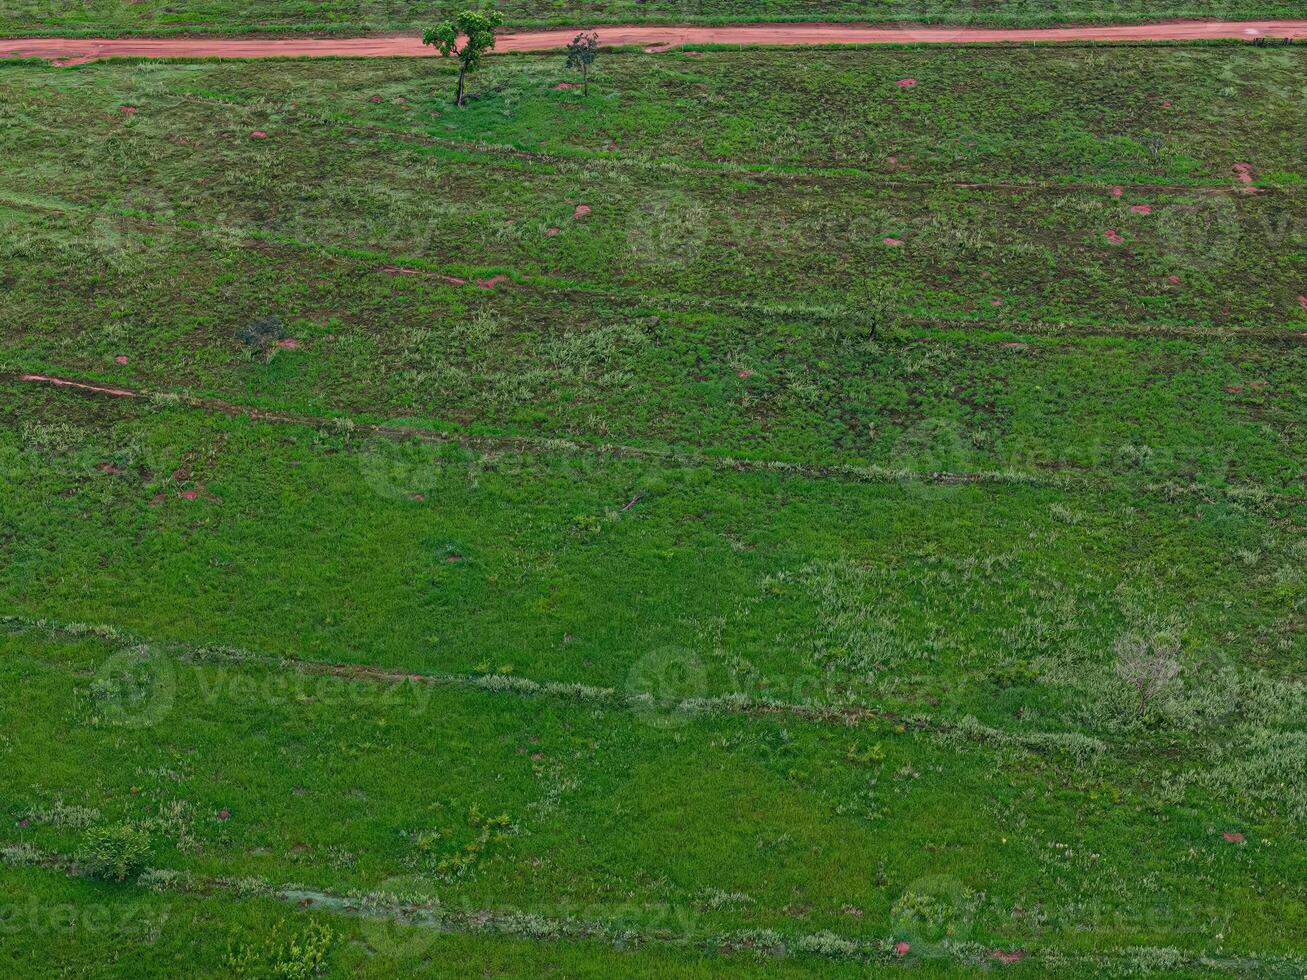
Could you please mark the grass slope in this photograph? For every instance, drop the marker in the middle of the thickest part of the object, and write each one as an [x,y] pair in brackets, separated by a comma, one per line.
[725,590]
[694,306]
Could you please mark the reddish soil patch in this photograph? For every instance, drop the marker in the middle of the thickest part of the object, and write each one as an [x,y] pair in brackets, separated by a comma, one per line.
[376,100]
[1114,237]
[581,211]
[418,497]
[551,231]
[1233,389]
[744,373]
[906,83]
[224,814]
[1117,191]
[400,270]
[120,359]
[492,282]
[1006,957]
[111,469]
[995,302]
[901,948]
[1244,172]
[1141,208]
[288,343]
[565,87]
[454,558]
[1166,103]
[1014,345]
[1302,301]
[1232,836]
[190,495]
[1173,280]
[893,242]
[258,134]
[80,385]
[128,110]
[453,280]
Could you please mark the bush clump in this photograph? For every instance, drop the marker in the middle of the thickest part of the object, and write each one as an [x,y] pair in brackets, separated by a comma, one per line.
[115,853]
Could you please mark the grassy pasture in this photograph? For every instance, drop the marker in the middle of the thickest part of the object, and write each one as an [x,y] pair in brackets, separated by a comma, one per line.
[724,590]
[695,305]
[998,727]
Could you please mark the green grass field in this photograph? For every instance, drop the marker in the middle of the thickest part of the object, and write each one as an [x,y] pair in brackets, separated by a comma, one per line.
[759,519]
[91,17]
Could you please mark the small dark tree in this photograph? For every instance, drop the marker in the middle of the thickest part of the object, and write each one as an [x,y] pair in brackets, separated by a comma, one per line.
[261,335]
[477,32]
[1148,665]
[878,314]
[581,53]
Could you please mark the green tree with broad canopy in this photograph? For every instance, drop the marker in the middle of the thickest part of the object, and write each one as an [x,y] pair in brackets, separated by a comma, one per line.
[475,30]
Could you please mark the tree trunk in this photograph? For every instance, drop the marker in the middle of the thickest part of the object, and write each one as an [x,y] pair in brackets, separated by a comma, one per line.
[585,80]
[458,101]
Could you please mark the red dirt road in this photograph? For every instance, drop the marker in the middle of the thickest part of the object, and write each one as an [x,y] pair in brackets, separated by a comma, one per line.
[75,51]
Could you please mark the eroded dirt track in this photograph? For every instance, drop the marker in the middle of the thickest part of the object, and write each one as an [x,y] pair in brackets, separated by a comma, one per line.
[74,51]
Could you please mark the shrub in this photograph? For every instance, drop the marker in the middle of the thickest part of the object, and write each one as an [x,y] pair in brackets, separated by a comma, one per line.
[261,335]
[293,956]
[115,853]
[1148,664]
